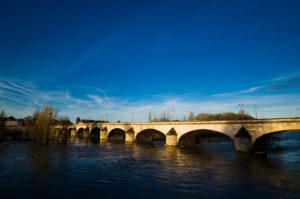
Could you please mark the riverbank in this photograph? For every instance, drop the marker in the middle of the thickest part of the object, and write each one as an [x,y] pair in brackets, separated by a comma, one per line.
[14,133]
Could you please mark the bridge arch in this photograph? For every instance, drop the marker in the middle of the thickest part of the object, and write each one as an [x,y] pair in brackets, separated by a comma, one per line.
[116,134]
[260,143]
[79,132]
[69,133]
[95,132]
[57,131]
[149,135]
[64,131]
[194,137]
[82,131]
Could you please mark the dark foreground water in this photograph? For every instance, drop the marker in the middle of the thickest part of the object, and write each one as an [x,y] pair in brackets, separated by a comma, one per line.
[85,169]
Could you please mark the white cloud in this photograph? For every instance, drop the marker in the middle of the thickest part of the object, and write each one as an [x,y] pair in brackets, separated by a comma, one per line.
[21,101]
[275,84]
[231,94]
[96,98]
[251,90]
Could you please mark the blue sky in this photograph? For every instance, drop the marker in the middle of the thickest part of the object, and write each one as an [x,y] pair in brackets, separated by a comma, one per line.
[98,59]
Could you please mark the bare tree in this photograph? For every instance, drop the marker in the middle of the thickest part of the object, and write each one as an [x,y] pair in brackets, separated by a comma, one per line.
[255,108]
[42,125]
[168,116]
[149,117]
[155,118]
[191,116]
[242,109]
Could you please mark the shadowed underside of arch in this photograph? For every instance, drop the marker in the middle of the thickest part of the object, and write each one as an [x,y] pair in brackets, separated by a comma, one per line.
[199,136]
[260,144]
[95,133]
[149,135]
[80,132]
[64,132]
[69,132]
[116,135]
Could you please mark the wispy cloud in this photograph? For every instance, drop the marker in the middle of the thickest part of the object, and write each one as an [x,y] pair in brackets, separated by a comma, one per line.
[15,95]
[251,90]
[275,84]
[22,100]
[192,93]
[96,98]
[10,86]
[284,83]
[247,91]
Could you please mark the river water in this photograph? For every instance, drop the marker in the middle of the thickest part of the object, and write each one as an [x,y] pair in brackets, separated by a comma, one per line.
[79,168]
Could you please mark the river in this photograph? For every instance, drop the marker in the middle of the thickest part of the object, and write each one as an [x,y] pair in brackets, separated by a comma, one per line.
[83,168]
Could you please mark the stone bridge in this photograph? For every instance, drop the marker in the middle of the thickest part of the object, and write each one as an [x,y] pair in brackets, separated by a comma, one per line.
[248,135]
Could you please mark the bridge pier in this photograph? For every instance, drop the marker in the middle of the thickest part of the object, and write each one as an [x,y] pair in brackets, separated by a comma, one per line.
[129,135]
[103,135]
[171,138]
[86,133]
[73,132]
[243,141]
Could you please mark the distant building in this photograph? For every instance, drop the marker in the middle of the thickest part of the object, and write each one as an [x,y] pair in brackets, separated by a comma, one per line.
[12,122]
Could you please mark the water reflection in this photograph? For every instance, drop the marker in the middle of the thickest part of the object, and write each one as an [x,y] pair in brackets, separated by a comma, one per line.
[87,168]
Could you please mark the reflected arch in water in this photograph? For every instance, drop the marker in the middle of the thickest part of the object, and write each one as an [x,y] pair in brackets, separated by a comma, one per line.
[261,143]
[149,135]
[201,135]
[95,132]
[117,134]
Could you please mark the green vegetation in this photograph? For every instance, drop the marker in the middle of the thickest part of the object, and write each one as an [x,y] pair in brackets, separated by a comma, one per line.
[104,129]
[77,120]
[165,117]
[223,116]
